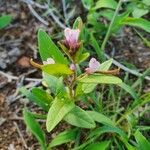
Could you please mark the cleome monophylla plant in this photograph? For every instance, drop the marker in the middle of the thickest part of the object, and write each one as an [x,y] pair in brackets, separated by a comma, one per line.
[73,94]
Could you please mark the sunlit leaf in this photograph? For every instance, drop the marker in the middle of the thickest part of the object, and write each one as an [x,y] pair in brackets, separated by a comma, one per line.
[99,78]
[56,69]
[106,4]
[57,112]
[80,118]
[64,137]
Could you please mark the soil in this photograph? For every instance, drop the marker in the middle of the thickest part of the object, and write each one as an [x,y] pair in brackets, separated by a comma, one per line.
[18,44]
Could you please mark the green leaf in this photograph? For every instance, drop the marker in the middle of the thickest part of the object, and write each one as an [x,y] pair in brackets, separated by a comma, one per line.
[98,146]
[43,101]
[42,95]
[55,84]
[96,47]
[107,13]
[96,116]
[57,112]
[35,128]
[106,65]
[137,22]
[56,69]
[64,137]
[5,20]
[83,57]
[80,118]
[106,4]
[142,142]
[47,48]
[87,3]
[108,129]
[100,78]
[128,89]
[146,2]
[138,12]
[88,87]
[78,23]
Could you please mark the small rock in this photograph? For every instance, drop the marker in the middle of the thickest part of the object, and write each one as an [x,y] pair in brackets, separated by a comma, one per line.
[24,62]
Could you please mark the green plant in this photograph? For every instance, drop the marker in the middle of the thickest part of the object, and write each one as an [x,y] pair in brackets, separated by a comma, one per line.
[116,16]
[5,20]
[110,125]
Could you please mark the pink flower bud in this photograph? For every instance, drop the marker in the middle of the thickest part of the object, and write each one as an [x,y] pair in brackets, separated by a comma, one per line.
[93,66]
[72,67]
[71,37]
[49,61]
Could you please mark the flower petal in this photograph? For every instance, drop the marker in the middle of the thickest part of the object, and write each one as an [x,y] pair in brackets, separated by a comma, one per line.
[49,61]
[94,64]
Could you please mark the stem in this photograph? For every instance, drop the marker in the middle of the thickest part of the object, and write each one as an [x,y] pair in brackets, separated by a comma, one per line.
[110,26]
[71,91]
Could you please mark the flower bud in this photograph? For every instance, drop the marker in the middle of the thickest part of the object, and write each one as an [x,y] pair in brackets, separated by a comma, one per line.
[72,67]
[93,66]
[71,38]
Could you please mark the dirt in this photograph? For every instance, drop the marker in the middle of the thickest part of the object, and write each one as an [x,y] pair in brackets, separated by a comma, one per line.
[19,44]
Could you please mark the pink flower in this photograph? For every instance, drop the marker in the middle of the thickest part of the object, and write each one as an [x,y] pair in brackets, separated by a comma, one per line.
[71,38]
[72,67]
[93,66]
[49,61]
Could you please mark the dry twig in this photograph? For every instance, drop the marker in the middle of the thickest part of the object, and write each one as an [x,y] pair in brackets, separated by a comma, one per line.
[21,136]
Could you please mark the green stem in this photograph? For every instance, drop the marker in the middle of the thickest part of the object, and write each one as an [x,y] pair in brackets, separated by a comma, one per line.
[72,94]
[110,26]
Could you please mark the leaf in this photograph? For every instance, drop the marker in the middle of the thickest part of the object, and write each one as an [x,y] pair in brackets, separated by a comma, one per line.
[83,57]
[56,69]
[64,137]
[34,127]
[55,84]
[106,4]
[87,3]
[146,2]
[96,116]
[80,118]
[107,129]
[128,89]
[137,22]
[78,23]
[88,87]
[99,78]
[57,112]
[142,142]
[96,47]
[107,13]
[42,95]
[48,49]
[5,20]
[138,12]
[98,146]
[106,65]
[43,103]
